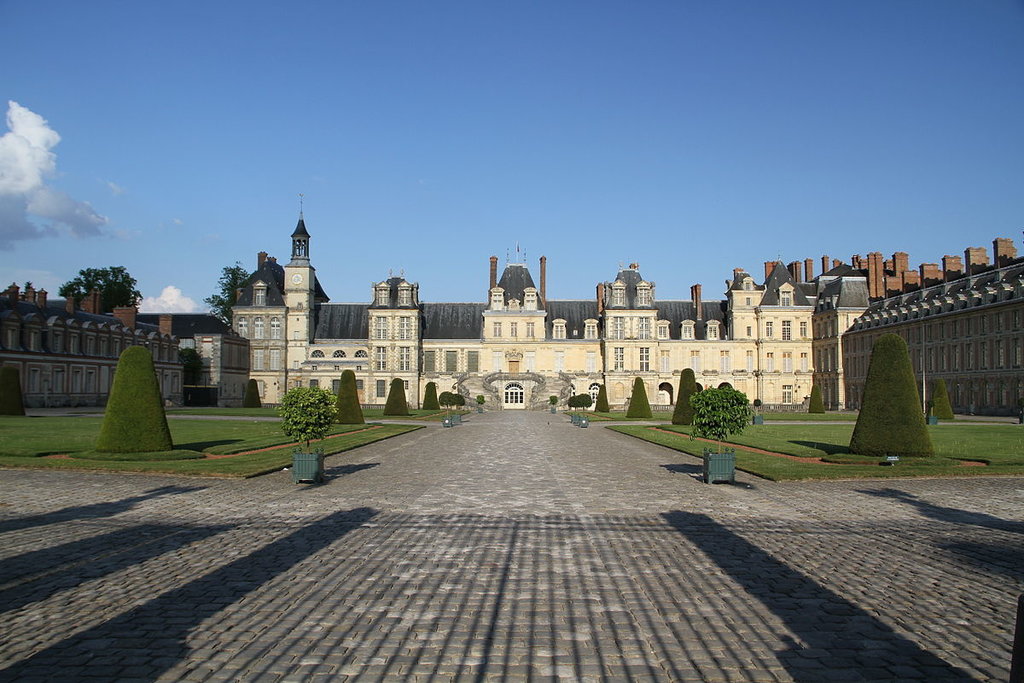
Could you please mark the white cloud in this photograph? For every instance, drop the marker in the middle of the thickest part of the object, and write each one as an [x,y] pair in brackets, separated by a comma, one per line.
[115,189]
[171,300]
[26,161]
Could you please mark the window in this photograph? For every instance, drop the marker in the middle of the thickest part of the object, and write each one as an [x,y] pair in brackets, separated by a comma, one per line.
[787,362]
[382,391]
[619,354]
[645,359]
[695,361]
[335,386]
[750,332]
[257,359]
[591,361]
[404,359]
[472,361]
[338,354]
[769,362]
[404,296]
[451,361]
[360,353]
[786,298]
[803,329]
[275,359]
[594,390]
[787,330]
[513,329]
[558,329]
[531,361]
[381,297]
[643,295]
[645,328]
[712,330]
[803,362]
[405,327]
[769,329]
[243,327]
[496,361]
[380,328]
[662,330]
[317,354]
[750,361]
[666,362]
[496,330]
[380,355]
[559,361]
[428,361]
[531,330]
[591,330]
[618,327]
[275,328]
[724,362]
[314,383]
[618,295]
[259,295]
[787,393]
[257,328]
[687,330]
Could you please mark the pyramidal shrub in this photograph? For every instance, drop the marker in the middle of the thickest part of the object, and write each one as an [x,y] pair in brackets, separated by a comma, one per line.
[349,412]
[134,420]
[10,391]
[639,406]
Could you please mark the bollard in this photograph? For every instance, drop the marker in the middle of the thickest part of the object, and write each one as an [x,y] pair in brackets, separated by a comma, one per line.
[1017,662]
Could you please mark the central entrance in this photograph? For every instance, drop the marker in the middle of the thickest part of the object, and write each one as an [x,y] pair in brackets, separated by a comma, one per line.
[515,396]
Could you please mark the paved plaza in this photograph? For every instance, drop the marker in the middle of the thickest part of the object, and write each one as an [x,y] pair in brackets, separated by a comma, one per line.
[513,547]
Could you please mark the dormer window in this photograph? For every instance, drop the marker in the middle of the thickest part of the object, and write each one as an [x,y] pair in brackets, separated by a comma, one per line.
[497,299]
[643,294]
[712,330]
[259,294]
[405,295]
[686,329]
[558,329]
[591,329]
[663,330]
[748,284]
[618,294]
[530,299]
[381,297]
[785,298]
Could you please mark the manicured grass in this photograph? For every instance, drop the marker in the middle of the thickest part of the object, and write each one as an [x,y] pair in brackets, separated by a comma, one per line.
[23,442]
[368,413]
[999,446]
[810,417]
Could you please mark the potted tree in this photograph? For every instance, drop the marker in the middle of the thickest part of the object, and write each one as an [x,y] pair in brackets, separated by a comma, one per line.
[447,399]
[306,415]
[718,413]
[1020,411]
[930,417]
[758,418]
[480,403]
[552,401]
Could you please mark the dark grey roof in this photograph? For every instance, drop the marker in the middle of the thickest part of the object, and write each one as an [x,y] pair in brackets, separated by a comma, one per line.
[300,228]
[342,321]
[843,270]
[844,293]
[393,284]
[631,278]
[739,277]
[575,313]
[514,280]
[57,308]
[452,321]
[185,325]
[677,311]
[780,276]
[271,273]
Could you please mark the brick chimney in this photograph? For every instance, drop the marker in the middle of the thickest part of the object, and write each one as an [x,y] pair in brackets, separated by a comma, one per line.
[69,305]
[930,274]
[769,266]
[808,269]
[543,280]
[126,314]
[166,320]
[1003,251]
[697,303]
[30,294]
[857,262]
[600,298]
[794,270]
[900,262]
[836,263]
[91,302]
[494,276]
[824,265]
[975,259]
[12,293]
[893,285]
[876,275]
[911,280]
[952,267]
[261,258]
[41,299]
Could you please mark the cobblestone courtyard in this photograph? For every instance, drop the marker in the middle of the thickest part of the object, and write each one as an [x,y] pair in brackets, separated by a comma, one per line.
[512,547]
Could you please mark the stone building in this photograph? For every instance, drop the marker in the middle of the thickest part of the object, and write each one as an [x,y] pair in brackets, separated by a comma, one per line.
[66,355]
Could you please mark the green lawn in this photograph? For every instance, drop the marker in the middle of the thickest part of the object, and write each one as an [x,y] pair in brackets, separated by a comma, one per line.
[999,446]
[368,413]
[24,442]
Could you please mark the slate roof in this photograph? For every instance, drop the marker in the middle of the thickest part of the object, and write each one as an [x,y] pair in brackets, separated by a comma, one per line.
[300,228]
[675,312]
[393,284]
[342,321]
[452,320]
[780,276]
[843,293]
[514,280]
[631,278]
[186,325]
[575,313]
[56,308]
[271,273]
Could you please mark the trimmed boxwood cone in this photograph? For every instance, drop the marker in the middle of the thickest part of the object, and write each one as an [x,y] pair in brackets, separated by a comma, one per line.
[683,414]
[430,397]
[134,420]
[10,391]
[602,401]
[816,405]
[639,406]
[349,410]
[396,403]
[940,400]
[252,395]
[890,420]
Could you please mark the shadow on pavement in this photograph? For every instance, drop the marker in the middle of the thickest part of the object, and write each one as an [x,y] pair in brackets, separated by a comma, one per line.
[947,514]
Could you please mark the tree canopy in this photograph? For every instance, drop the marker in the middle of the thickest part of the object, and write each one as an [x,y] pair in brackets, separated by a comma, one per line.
[115,284]
[718,413]
[232,278]
[307,413]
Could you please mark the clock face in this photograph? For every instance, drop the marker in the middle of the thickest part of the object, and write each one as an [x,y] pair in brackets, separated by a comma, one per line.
[297,278]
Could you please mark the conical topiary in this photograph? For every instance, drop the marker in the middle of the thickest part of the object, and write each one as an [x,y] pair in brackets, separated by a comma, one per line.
[430,397]
[10,391]
[639,406]
[349,410]
[134,420]
[683,414]
[252,395]
[816,404]
[940,400]
[602,401]
[396,403]
[890,420]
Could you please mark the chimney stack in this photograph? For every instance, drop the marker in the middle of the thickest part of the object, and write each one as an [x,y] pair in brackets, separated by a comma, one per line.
[12,293]
[543,280]
[166,323]
[930,274]
[952,267]
[41,299]
[1003,251]
[769,266]
[911,280]
[824,264]
[876,275]
[975,259]
[600,298]
[494,276]
[836,263]
[697,303]
[126,314]
[30,294]
[900,263]
[794,270]
[261,258]
[69,305]
[808,269]
[91,302]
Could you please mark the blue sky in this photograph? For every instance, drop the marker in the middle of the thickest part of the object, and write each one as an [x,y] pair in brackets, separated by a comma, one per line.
[691,137]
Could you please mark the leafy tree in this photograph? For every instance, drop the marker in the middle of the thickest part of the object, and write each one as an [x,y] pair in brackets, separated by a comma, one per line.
[307,413]
[10,391]
[683,414]
[552,400]
[349,411]
[718,413]
[116,286]
[251,399]
[134,420]
[940,400]
[639,406]
[192,365]
[817,405]
[480,400]
[580,401]
[232,278]
[396,403]
[602,400]
[430,397]
[460,400]
[890,420]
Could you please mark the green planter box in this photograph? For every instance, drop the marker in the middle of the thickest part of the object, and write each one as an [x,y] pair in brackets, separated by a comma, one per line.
[575,419]
[479,409]
[719,467]
[553,410]
[308,467]
[758,420]
[584,421]
[932,420]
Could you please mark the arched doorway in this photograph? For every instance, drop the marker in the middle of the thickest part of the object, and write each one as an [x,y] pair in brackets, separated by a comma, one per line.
[515,396]
[594,390]
[665,394]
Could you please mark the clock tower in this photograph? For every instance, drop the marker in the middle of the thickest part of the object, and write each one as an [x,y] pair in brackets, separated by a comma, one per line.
[299,291]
